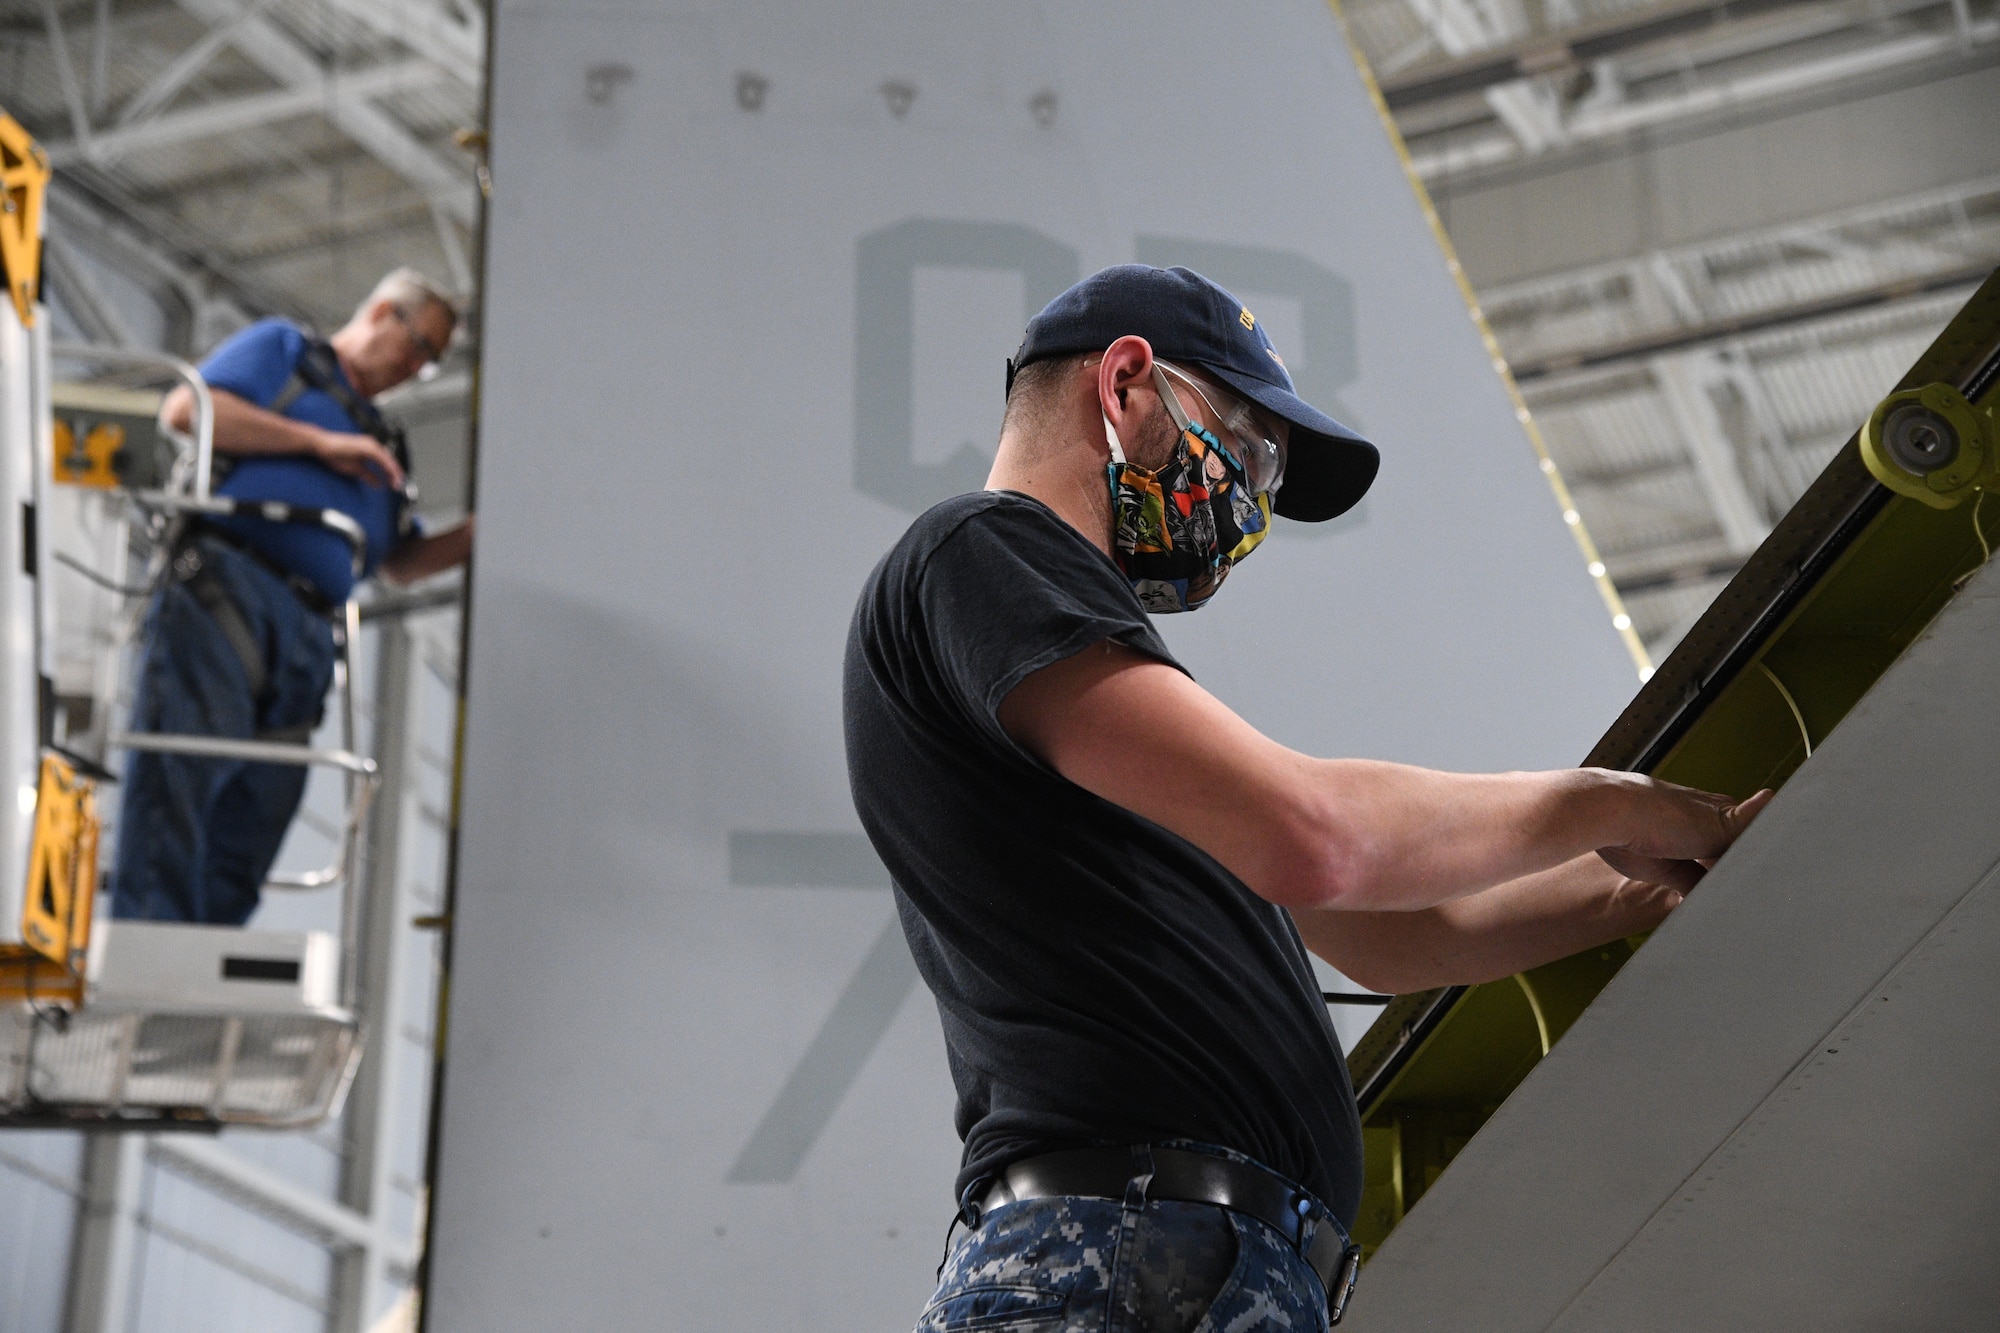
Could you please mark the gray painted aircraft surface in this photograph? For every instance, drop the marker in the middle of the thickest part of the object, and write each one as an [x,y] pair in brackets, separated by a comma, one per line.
[753,270]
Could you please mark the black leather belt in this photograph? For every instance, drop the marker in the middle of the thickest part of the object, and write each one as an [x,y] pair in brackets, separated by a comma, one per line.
[1192,1177]
[301,587]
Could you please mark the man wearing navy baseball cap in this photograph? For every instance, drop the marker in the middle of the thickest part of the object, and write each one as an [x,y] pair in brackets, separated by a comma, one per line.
[1110,881]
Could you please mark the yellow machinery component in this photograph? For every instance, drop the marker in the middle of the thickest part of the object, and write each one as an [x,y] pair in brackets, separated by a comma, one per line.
[28,978]
[62,883]
[91,461]
[24,179]
[107,437]
[1932,445]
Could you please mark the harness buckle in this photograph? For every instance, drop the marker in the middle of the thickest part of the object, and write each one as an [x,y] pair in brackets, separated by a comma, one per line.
[1344,1280]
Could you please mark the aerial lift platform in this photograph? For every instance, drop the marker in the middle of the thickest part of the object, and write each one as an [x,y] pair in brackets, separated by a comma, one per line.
[132,1025]
[1778,1111]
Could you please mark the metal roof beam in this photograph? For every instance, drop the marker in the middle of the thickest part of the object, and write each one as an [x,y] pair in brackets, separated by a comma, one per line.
[1886,224]
[1665,559]
[1609,119]
[163,86]
[1782,80]
[373,128]
[401,214]
[1736,326]
[100,56]
[72,91]
[1678,576]
[1772,443]
[458,46]
[1530,111]
[1618,478]
[1555,52]
[242,113]
[144,241]
[331,1224]
[85,302]
[232,176]
[1687,383]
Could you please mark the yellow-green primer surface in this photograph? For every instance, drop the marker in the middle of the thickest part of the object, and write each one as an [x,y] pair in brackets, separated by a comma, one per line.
[1848,580]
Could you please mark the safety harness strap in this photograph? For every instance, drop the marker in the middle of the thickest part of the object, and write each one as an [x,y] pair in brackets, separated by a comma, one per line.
[194,574]
[318,367]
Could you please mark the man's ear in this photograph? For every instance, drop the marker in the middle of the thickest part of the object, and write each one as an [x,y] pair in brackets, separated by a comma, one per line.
[1127,364]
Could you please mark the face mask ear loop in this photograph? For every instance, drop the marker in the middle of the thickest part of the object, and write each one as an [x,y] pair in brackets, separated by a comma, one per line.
[1171,400]
[1111,438]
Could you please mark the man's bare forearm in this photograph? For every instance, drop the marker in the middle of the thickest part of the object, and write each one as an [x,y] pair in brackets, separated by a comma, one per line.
[421,557]
[1372,836]
[1495,933]
[242,427]
[1352,834]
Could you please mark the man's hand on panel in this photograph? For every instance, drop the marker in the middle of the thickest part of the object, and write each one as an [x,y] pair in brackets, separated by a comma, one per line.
[359,456]
[1679,831]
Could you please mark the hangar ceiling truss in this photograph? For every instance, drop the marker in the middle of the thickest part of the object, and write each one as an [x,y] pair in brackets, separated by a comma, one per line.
[255,156]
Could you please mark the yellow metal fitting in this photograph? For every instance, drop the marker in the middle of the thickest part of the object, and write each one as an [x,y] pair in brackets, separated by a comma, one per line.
[1932,445]
[91,460]
[24,181]
[62,866]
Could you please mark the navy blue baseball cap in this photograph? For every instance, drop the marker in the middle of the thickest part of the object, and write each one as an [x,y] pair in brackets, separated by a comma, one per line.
[1192,321]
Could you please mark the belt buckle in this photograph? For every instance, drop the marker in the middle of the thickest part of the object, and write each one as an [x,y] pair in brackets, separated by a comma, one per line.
[1344,1280]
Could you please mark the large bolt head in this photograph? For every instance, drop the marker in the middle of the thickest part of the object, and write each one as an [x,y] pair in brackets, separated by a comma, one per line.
[1919,440]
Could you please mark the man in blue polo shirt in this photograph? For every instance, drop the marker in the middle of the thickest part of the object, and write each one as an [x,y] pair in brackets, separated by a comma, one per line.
[240,642]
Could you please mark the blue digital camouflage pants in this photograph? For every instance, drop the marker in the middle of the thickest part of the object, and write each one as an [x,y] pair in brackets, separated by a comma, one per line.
[1075,1265]
[196,837]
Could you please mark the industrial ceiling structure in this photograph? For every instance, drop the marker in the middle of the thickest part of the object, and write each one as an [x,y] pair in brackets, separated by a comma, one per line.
[1691,365]
[1707,237]
[220,160]
[272,155]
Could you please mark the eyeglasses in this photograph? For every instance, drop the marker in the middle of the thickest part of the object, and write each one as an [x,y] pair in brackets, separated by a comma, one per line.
[432,352]
[1256,447]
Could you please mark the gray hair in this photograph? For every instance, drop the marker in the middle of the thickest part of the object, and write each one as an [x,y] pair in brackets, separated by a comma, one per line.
[410,291]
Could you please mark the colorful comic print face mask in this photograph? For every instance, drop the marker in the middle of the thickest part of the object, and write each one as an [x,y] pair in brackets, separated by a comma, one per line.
[1177,532]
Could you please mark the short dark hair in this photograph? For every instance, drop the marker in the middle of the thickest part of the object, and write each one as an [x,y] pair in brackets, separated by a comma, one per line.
[1035,387]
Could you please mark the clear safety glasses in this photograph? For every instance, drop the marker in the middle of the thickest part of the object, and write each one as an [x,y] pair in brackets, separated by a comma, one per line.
[1259,450]
[432,352]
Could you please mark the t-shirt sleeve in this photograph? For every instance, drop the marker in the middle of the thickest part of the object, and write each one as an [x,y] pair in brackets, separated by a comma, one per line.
[255,363]
[1012,591]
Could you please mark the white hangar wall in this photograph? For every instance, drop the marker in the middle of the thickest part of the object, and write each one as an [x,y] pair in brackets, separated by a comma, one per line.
[752,272]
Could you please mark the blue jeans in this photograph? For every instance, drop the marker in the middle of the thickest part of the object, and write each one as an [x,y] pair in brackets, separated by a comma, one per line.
[1076,1265]
[196,837]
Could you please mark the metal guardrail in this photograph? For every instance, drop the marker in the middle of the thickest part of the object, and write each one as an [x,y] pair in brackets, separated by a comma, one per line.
[258,752]
[271,511]
[413,602]
[204,416]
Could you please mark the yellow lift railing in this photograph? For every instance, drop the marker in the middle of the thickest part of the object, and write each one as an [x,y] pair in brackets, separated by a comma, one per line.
[48,965]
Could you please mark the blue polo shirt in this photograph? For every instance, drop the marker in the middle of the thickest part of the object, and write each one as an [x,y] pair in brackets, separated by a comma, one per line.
[256,364]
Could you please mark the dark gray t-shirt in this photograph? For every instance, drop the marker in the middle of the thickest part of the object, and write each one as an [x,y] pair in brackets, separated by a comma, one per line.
[1100,979]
